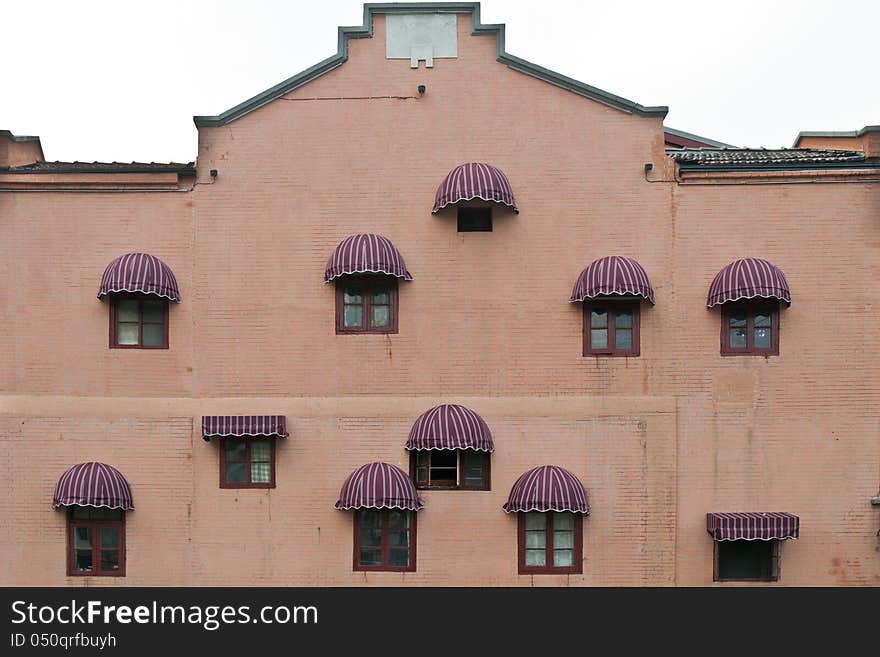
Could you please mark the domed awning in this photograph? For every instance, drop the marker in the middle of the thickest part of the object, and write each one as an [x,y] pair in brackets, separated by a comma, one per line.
[378,486]
[244,426]
[450,426]
[93,484]
[141,273]
[612,275]
[547,488]
[474,180]
[748,278]
[752,526]
[366,253]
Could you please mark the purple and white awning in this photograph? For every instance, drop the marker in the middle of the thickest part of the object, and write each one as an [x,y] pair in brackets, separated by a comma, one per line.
[93,484]
[748,278]
[474,180]
[450,426]
[139,272]
[548,488]
[366,253]
[612,275]
[753,526]
[244,426]
[378,486]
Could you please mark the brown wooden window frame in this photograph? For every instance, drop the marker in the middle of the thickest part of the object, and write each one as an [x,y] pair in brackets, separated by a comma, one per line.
[577,566]
[469,216]
[752,308]
[613,305]
[773,566]
[140,298]
[95,525]
[459,475]
[248,442]
[368,281]
[384,567]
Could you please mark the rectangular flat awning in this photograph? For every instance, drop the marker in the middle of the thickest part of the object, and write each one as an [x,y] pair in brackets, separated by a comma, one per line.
[242,426]
[752,526]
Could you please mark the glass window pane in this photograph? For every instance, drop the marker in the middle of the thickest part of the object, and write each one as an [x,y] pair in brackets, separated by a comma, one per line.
[352,294]
[398,558]
[762,319]
[261,451]
[82,537]
[422,457]
[421,475]
[563,558]
[354,316]
[738,317]
[371,537]
[563,539]
[82,560]
[109,537]
[370,518]
[536,557]
[563,520]
[599,338]
[370,557]
[103,513]
[762,338]
[536,539]
[598,318]
[126,334]
[399,538]
[235,473]
[398,519]
[381,316]
[261,473]
[536,520]
[153,311]
[153,335]
[472,465]
[738,338]
[127,310]
[623,339]
[109,560]
[623,319]
[235,450]
[381,297]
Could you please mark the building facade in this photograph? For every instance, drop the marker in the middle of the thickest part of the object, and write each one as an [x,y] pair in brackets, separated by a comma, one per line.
[430,314]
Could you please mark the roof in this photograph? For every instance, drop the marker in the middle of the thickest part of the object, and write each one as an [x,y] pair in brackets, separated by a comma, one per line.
[845,133]
[103,167]
[696,140]
[477,29]
[762,158]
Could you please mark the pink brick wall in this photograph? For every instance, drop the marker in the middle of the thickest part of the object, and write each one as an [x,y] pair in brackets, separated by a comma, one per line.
[657,440]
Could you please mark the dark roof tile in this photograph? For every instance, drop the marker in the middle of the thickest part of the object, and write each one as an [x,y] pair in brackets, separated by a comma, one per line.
[102,167]
[761,156]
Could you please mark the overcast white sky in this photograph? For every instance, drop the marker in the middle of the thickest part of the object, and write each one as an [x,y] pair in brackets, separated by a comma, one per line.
[121,80]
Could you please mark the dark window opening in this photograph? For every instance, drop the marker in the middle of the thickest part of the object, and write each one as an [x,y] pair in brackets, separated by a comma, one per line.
[366,304]
[746,561]
[247,463]
[385,539]
[138,322]
[96,541]
[611,327]
[750,329]
[450,468]
[550,542]
[474,220]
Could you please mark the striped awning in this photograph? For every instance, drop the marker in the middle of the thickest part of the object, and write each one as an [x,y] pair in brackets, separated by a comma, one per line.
[450,426]
[243,426]
[748,278]
[139,272]
[754,526]
[612,275]
[378,486]
[366,253]
[474,180]
[547,488]
[93,484]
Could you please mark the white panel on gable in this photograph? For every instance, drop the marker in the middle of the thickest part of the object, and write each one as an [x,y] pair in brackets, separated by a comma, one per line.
[421,37]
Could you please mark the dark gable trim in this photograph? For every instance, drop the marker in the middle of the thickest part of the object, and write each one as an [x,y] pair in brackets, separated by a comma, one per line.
[478,29]
[851,133]
[689,140]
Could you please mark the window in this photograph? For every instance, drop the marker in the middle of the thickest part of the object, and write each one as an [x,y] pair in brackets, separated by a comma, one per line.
[366,304]
[96,541]
[385,539]
[746,561]
[750,329]
[464,469]
[138,322]
[474,220]
[550,542]
[611,327]
[248,463]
